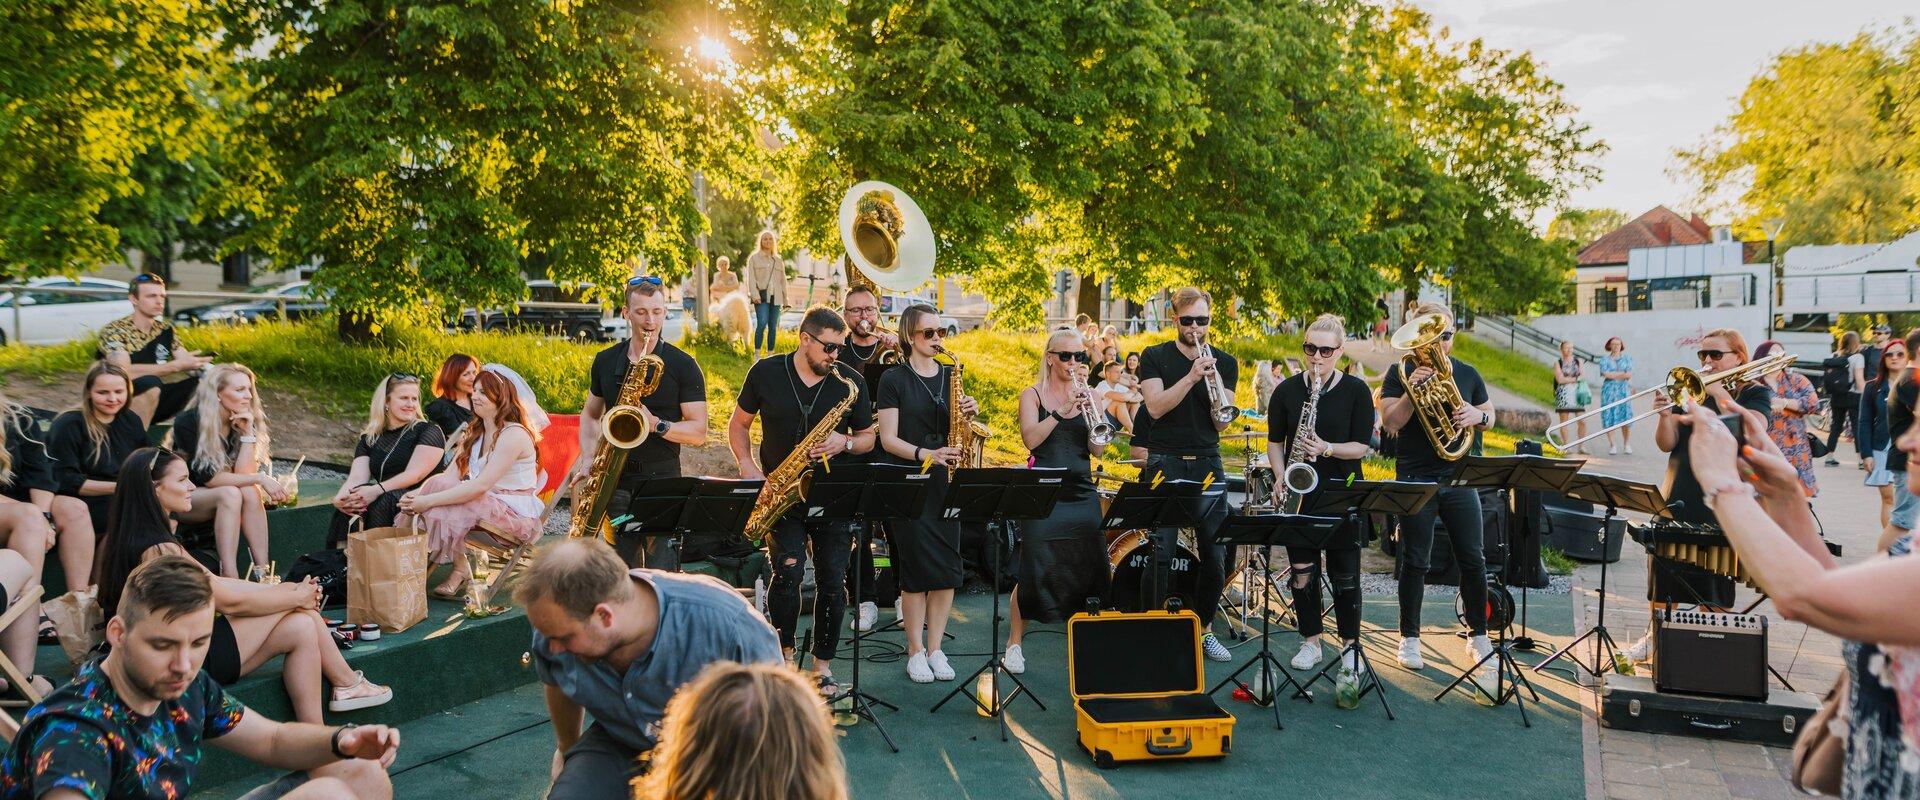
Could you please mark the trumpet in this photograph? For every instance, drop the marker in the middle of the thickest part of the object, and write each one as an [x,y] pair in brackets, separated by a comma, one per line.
[1099,428]
[1219,394]
[1683,388]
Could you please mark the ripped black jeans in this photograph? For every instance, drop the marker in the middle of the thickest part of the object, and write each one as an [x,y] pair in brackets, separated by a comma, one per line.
[1343,567]
[832,544]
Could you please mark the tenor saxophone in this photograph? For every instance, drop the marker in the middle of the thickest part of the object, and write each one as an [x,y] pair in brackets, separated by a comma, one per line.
[622,428]
[788,483]
[964,431]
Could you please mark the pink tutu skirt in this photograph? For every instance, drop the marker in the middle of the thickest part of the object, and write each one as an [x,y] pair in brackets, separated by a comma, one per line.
[447,527]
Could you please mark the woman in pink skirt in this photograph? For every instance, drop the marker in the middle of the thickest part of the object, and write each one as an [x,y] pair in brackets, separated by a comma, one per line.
[494,480]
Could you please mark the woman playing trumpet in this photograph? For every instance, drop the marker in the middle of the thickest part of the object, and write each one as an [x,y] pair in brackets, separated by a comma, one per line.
[1063,558]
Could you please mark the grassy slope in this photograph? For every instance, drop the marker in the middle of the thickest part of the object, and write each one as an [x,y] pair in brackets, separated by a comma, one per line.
[1514,372]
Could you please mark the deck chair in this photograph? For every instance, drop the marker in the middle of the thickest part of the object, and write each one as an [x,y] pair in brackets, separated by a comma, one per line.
[9,728]
[498,544]
[26,600]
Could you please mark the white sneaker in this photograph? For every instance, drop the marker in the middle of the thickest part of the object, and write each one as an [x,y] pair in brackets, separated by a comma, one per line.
[1309,654]
[941,669]
[1629,449]
[1410,653]
[1613,449]
[1215,651]
[917,669]
[869,614]
[1015,661]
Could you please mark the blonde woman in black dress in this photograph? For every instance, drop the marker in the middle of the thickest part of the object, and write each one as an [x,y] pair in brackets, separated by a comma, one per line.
[1063,558]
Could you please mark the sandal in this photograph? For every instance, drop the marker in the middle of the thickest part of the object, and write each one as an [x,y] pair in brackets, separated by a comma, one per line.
[40,684]
[828,687]
[363,694]
[49,635]
[458,595]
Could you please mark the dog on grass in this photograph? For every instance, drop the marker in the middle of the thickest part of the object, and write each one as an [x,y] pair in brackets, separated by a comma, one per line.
[734,315]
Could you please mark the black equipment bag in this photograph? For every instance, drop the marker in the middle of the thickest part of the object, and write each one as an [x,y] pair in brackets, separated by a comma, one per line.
[329,569]
[976,552]
[1629,703]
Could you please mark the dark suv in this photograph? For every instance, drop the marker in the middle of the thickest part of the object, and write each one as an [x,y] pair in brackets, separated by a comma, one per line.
[580,322]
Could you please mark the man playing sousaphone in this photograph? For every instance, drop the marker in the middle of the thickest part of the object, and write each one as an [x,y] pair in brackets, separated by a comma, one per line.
[675,412]
[870,351]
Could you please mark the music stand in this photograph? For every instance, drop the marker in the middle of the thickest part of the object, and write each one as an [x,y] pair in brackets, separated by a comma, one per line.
[1506,473]
[1268,530]
[1351,500]
[1615,494]
[997,495]
[679,507]
[861,494]
[1151,506]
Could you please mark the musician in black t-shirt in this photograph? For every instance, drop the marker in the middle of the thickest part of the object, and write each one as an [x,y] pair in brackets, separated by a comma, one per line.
[791,394]
[867,346]
[1342,426]
[1416,460]
[1186,439]
[675,412]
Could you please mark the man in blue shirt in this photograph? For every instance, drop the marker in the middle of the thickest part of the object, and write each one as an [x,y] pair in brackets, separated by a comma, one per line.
[618,643]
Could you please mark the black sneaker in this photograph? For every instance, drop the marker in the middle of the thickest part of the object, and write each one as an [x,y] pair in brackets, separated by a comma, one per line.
[1833,462]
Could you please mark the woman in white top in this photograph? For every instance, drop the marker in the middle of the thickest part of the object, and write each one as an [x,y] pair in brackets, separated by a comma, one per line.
[1117,401]
[767,288]
[495,481]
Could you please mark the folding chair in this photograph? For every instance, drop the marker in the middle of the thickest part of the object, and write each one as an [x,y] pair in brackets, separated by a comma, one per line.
[496,543]
[26,600]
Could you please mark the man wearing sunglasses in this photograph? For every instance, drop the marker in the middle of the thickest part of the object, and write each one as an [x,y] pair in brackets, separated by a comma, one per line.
[790,394]
[1417,461]
[1186,439]
[675,413]
[165,375]
[866,343]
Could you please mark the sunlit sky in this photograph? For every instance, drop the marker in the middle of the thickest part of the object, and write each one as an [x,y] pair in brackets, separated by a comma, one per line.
[1654,75]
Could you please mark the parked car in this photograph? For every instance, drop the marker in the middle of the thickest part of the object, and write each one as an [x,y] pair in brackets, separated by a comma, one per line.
[587,321]
[43,317]
[300,305]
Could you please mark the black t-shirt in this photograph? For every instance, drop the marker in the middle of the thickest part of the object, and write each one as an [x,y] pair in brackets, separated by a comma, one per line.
[1414,452]
[788,409]
[1142,428]
[186,442]
[74,458]
[448,415]
[389,454]
[1187,429]
[1345,414]
[922,403]
[27,454]
[1871,369]
[680,382]
[871,373]
[1900,406]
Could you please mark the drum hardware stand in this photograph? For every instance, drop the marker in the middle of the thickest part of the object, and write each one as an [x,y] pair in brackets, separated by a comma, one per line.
[1265,531]
[997,495]
[1615,494]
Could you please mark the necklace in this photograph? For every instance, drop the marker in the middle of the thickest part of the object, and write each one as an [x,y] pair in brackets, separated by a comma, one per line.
[939,399]
[806,407]
[855,349]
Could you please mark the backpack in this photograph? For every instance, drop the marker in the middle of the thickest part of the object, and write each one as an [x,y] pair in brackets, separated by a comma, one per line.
[1835,379]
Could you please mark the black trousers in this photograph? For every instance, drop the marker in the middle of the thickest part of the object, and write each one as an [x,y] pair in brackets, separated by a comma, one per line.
[871,588]
[1343,567]
[831,543]
[653,553]
[1461,508]
[173,396]
[1840,409]
[1213,558]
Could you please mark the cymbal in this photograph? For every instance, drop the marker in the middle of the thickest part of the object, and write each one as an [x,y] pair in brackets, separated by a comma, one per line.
[1245,435]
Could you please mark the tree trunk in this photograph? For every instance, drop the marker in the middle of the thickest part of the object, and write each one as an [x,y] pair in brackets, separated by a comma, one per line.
[1088,301]
[354,327]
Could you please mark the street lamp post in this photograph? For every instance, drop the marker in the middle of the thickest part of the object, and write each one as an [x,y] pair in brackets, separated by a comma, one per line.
[1773,226]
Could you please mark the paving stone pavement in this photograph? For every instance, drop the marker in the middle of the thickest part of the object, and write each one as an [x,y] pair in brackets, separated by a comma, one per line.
[1623,765]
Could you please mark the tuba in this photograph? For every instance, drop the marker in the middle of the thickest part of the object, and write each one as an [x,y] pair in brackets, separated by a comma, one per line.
[788,483]
[622,428]
[1434,399]
[888,240]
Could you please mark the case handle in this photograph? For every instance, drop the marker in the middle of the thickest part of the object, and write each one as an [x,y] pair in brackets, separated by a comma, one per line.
[1176,750]
[1724,725]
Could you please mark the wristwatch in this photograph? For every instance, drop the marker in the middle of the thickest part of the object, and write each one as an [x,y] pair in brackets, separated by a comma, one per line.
[337,753]
[660,426]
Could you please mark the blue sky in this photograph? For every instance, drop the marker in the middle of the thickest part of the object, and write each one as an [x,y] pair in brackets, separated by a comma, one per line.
[1654,76]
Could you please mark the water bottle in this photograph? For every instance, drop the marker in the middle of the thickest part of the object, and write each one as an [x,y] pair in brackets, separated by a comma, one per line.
[843,715]
[983,691]
[1346,688]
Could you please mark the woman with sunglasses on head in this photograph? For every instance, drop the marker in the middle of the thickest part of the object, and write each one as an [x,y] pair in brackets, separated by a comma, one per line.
[912,405]
[1063,558]
[222,435]
[396,451]
[1343,424]
[452,402]
[1873,430]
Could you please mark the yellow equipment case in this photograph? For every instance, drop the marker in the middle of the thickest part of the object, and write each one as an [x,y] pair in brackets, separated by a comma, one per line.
[1138,688]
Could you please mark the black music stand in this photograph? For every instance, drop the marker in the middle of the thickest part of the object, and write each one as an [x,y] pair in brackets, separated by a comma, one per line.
[1351,500]
[1151,506]
[860,494]
[1268,530]
[998,495]
[680,507]
[1506,473]
[1615,494]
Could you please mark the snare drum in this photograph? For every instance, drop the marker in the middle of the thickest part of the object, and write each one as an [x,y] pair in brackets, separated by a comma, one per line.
[1130,556]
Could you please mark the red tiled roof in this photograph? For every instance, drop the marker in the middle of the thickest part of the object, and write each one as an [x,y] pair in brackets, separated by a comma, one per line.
[1660,227]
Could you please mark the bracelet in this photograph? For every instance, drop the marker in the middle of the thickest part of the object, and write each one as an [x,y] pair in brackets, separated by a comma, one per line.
[916,454]
[336,740]
[1712,496]
[249,439]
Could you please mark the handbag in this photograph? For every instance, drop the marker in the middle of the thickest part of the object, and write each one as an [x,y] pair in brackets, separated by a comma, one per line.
[1583,394]
[1820,751]
[1817,445]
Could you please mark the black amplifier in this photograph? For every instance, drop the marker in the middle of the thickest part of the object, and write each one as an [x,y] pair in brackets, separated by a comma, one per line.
[1710,652]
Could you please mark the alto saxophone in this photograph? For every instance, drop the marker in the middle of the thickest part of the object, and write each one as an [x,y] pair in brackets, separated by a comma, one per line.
[622,428]
[788,483]
[964,432]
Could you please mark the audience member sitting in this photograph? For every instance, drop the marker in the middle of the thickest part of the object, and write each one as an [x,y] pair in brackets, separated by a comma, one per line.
[164,374]
[1868,604]
[223,438]
[397,450]
[256,622]
[495,480]
[452,402]
[131,724]
[26,482]
[18,570]
[88,443]
[1116,400]
[749,732]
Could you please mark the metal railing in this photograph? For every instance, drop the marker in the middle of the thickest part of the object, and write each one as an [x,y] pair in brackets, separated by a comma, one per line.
[1519,334]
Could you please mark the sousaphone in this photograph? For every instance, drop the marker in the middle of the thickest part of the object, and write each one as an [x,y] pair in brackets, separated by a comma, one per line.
[888,239]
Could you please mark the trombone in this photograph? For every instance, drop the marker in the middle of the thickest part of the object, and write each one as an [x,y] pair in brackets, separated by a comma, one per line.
[1683,388]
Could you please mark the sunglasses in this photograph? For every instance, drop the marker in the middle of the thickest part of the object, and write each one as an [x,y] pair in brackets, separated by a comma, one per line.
[1711,355]
[402,377]
[146,277]
[1199,321]
[1081,356]
[930,334]
[1892,352]
[1314,350]
[832,348]
[648,280]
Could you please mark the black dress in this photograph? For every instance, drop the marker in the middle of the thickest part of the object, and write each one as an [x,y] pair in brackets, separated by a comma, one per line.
[76,460]
[448,415]
[1063,558]
[26,456]
[387,456]
[926,549]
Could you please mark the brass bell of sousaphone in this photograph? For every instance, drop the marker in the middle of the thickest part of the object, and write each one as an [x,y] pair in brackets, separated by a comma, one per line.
[888,239]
